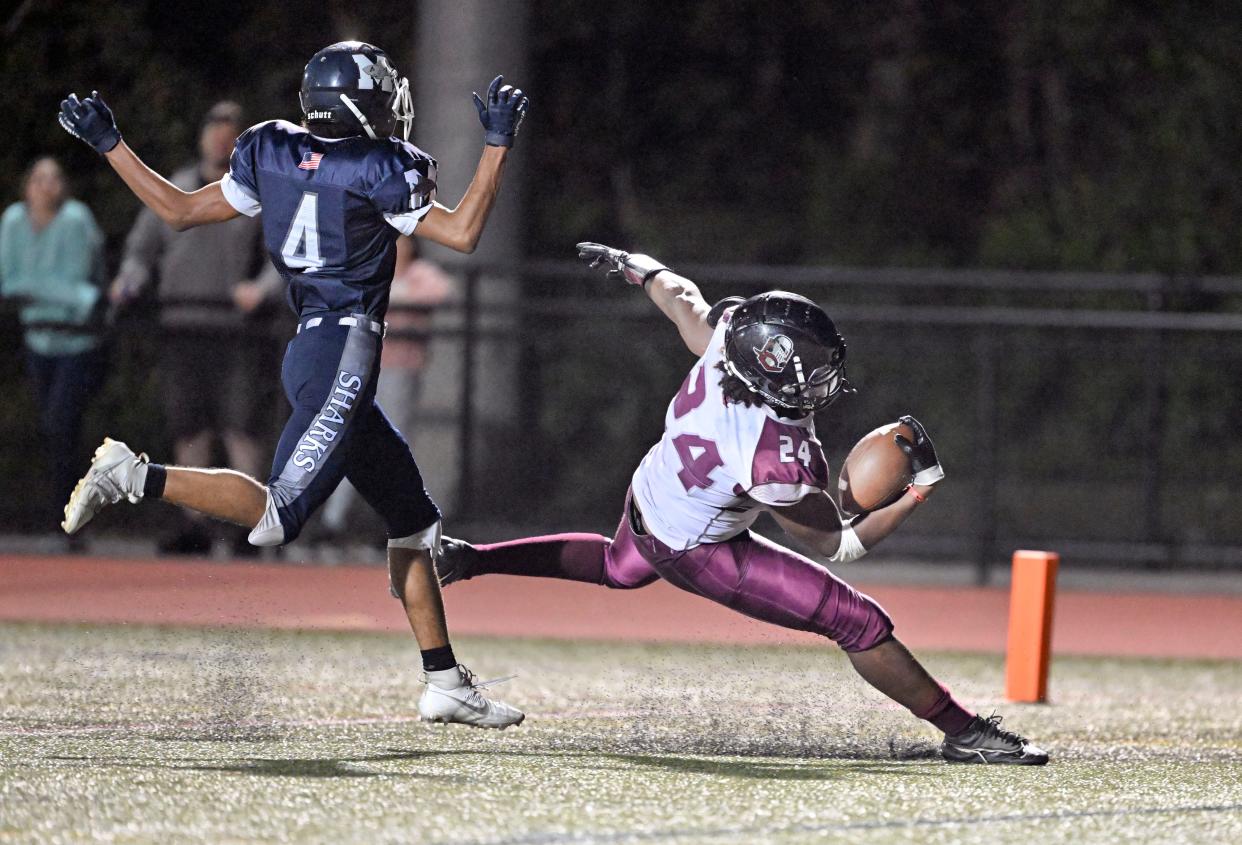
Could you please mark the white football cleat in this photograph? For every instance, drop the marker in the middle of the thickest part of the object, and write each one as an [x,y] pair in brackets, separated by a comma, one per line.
[116,473]
[464,703]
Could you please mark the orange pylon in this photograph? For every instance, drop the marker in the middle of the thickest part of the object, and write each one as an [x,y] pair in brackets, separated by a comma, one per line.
[1030,625]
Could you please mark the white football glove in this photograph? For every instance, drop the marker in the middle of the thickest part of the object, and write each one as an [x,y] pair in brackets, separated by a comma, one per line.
[634,269]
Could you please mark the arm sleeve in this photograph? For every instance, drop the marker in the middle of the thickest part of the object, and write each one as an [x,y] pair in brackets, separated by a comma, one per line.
[241,184]
[99,263]
[404,198]
[70,282]
[83,272]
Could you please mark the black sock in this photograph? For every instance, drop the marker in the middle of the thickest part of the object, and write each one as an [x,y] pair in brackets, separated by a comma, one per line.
[437,659]
[153,487]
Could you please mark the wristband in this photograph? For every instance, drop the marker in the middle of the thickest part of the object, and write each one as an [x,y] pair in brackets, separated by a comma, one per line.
[640,269]
[918,497]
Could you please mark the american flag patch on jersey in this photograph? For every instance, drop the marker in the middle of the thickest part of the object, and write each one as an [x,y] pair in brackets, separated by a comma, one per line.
[310,161]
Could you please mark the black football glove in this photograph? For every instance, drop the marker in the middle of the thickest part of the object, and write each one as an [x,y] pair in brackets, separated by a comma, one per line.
[90,120]
[503,112]
[635,269]
[922,453]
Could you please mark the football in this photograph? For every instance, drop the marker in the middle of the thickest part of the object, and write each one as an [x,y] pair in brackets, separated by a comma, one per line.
[875,471]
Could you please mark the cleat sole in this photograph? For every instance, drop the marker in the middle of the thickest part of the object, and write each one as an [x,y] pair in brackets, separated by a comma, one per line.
[78,488]
[441,720]
[974,757]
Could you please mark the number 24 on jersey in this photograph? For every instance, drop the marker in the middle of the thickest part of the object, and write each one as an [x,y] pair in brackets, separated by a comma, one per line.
[803,451]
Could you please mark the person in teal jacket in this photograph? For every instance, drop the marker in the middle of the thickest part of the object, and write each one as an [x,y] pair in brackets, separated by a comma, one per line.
[51,262]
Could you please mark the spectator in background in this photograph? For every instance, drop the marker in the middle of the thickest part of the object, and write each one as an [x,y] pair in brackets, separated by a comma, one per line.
[418,287]
[51,259]
[215,345]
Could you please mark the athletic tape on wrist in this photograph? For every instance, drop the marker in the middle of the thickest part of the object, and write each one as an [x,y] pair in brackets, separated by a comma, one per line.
[851,548]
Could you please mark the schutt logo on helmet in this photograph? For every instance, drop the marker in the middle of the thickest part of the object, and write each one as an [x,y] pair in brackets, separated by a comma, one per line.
[775,353]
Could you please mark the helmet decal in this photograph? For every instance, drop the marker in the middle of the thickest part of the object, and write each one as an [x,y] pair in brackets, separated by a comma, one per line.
[365,79]
[372,71]
[775,354]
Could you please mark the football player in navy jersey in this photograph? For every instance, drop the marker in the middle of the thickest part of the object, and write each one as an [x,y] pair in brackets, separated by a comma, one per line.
[335,194]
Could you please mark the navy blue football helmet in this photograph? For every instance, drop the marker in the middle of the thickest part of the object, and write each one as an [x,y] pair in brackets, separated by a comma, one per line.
[784,348]
[352,89]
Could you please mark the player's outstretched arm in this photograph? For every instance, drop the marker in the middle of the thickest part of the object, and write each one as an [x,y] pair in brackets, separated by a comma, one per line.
[460,228]
[501,115]
[91,121]
[179,209]
[816,520]
[675,295]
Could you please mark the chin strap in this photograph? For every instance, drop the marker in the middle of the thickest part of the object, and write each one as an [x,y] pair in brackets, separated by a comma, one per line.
[366,125]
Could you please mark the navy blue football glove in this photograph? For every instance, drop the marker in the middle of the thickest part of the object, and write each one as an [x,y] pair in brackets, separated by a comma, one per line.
[90,120]
[503,112]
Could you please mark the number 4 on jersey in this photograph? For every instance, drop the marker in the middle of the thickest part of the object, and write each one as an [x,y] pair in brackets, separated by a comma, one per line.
[301,249]
[699,457]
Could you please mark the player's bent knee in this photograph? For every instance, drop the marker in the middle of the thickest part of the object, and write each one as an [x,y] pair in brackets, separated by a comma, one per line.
[269,531]
[861,624]
[427,539]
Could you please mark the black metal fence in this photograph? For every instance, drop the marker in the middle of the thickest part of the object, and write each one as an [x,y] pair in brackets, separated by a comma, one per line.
[1089,413]
[1094,414]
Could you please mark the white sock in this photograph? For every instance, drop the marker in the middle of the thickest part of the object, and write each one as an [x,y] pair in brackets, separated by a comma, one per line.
[445,678]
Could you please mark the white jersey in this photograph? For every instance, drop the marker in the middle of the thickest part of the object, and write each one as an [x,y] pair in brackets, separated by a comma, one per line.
[719,463]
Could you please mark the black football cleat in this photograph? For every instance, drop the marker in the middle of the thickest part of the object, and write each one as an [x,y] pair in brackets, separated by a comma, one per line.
[454,560]
[985,741]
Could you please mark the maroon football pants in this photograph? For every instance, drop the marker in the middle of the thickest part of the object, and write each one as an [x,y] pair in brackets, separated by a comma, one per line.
[748,573]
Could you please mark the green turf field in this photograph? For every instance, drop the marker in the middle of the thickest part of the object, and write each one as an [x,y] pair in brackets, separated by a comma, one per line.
[143,735]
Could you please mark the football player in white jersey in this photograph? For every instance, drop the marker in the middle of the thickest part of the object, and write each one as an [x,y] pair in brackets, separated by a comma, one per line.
[739,439]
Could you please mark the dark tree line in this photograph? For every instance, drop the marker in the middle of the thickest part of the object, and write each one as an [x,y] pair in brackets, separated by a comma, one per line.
[1088,135]
[1097,134]
[1084,135]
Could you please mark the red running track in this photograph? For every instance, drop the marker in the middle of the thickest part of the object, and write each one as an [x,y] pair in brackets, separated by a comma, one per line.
[161,592]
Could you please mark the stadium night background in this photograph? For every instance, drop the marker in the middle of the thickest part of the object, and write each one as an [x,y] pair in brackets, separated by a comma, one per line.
[1023,219]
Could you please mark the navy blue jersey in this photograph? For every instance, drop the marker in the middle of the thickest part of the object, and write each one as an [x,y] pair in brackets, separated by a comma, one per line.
[332,209]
